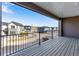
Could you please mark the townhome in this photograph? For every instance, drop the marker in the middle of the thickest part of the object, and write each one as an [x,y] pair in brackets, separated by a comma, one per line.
[27,28]
[15,28]
[12,28]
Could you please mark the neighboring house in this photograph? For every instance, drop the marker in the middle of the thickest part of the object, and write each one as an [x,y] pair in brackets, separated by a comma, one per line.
[55,28]
[44,29]
[18,28]
[31,28]
[34,29]
[12,28]
[15,28]
[4,28]
[27,28]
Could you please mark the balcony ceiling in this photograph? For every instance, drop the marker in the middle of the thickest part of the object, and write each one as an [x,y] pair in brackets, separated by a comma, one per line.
[61,9]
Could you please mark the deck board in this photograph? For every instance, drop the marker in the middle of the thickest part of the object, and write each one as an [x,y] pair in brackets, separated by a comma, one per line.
[78,48]
[69,49]
[48,49]
[43,50]
[63,49]
[52,52]
[66,48]
[75,48]
[60,46]
[72,49]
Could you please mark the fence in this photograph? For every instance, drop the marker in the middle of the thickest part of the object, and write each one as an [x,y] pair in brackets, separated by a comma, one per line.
[14,43]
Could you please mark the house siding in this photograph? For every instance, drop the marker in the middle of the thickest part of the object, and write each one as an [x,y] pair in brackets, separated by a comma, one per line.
[71,27]
[18,29]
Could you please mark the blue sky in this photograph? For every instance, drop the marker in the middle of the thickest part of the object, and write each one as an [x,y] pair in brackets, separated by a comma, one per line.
[11,12]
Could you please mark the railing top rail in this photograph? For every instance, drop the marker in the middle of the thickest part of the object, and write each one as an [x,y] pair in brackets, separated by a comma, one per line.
[18,34]
[21,34]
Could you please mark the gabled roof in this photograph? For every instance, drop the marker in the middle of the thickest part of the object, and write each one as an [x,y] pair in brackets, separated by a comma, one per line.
[16,23]
[4,23]
[27,26]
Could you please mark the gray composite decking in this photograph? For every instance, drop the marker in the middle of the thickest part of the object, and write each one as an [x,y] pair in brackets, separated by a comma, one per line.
[60,46]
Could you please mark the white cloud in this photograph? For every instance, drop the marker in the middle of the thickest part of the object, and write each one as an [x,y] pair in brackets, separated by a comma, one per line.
[6,9]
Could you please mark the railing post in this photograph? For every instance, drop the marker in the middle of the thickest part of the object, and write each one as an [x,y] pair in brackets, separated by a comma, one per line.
[39,39]
[0,25]
[52,33]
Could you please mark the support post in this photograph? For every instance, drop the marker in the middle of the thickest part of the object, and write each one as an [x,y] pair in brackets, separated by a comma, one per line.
[52,33]
[61,27]
[39,39]
[0,24]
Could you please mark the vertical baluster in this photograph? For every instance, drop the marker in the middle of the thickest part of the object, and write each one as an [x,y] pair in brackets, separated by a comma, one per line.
[17,42]
[39,38]
[23,41]
[26,41]
[31,39]
[6,45]
[20,42]
[20,39]
[2,45]
[10,44]
[13,43]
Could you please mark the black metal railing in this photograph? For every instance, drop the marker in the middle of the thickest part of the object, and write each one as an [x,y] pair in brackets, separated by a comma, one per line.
[14,43]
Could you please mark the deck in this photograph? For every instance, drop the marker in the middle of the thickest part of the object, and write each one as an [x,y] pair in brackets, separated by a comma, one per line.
[60,46]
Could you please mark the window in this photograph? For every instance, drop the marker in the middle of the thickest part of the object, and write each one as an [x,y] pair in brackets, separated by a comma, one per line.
[12,27]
